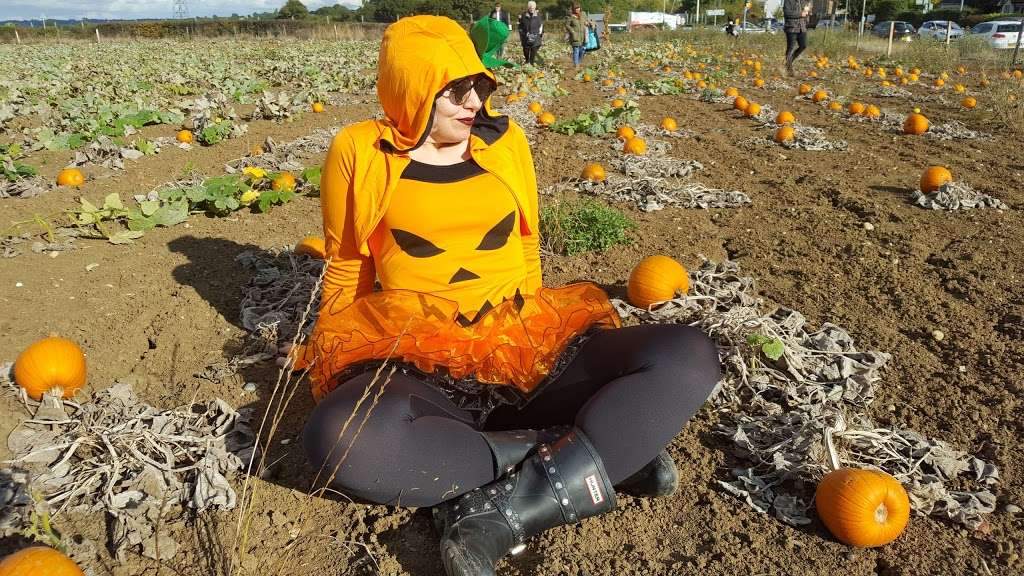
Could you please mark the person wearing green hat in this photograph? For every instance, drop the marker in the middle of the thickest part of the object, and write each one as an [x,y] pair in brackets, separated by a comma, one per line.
[489,37]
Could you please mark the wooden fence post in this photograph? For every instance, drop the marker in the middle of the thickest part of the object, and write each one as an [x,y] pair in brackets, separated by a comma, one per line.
[97,35]
[17,36]
[892,30]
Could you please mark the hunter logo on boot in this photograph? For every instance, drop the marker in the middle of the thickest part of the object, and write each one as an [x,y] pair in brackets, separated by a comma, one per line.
[594,485]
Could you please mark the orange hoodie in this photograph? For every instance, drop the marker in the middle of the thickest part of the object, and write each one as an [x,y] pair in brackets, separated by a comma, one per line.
[419,56]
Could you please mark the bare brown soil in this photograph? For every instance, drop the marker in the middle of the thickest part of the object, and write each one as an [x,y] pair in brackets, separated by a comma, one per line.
[163,309]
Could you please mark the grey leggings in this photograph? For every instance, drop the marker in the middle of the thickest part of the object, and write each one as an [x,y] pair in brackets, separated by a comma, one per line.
[630,390]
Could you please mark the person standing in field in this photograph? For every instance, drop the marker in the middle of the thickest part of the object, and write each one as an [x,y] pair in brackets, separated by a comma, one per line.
[795,13]
[531,30]
[503,17]
[577,27]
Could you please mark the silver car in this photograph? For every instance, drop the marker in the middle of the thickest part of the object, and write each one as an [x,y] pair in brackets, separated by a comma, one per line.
[937,29]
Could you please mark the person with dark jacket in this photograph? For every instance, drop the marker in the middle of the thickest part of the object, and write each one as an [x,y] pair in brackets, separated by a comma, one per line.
[531,30]
[795,13]
[503,17]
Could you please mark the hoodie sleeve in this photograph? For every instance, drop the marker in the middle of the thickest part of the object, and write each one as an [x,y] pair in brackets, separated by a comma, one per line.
[349,274]
[531,242]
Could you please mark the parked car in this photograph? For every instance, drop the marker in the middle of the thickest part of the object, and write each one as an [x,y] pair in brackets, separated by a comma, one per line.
[772,25]
[998,33]
[901,31]
[748,28]
[829,23]
[937,29]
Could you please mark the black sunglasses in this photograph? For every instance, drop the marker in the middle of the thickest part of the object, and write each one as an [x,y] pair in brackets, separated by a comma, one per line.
[458,90]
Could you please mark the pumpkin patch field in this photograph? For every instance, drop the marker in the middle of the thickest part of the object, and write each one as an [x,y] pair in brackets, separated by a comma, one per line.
[851,238]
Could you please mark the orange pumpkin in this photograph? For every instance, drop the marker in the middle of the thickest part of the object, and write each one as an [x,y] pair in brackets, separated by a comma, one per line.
[732,92]
[586,77]
[546,119]
[969,102]
[915,124]
[318,107]
[805,89]
[184,136]
[621,90]
[594,172]
[820,96]
[48,364]
[863,508]
[740,103]
[283,181]
[39,561]
[625,132]
[939,82]
[618,103]
[785,117]
[70,177]
[636,146]
[872,111]
[669,123]
[856,108]
[312,246]
[535,107]
[656,279]
[759,83]
[784,134]
[752,110]
[934,177]
[835,106]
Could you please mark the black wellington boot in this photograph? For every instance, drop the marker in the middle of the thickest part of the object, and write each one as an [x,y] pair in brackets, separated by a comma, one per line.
[561,483]
[658,478]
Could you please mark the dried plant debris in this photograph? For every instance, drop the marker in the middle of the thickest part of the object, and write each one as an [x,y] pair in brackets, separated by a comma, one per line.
[277,157]
[788,395]
[23,187]
[891,92]
[278,292]
[136,462]
[649,194]
[273,106]
[16,504]
[955,130]
[655,165]
[956,196]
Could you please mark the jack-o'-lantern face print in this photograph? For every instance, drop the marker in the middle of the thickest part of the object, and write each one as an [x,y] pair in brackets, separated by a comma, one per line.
[460,259]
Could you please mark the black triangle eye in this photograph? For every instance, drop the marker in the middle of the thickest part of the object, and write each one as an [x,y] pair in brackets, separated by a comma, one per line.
[413,245]
[498,236]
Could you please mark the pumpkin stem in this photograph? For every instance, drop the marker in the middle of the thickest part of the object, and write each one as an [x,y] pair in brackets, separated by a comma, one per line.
[881,513]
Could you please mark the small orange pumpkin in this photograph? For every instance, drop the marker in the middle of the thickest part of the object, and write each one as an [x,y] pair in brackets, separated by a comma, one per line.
[312,246]
[50,363]
[545,118]
[618,103]
[785,117]
[820,96]
[283,181]
[636,146]
[656,279]
[915,124]
[752,110]
[934,177]
[732,92]
[70,177]
[863,508]
[740,103]
[805,89]
[969,102]
[535,107]
[625,132]
[856,108]
[594,172]
[669,123]
[318,107]
[184,136]
[835,106]
[784,134]
[38,561]
[872,111]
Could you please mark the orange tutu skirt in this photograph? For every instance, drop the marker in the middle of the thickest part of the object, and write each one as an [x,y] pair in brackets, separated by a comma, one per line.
[511,345]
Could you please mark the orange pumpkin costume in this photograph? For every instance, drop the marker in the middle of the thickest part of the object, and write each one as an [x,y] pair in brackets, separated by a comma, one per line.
[458,262]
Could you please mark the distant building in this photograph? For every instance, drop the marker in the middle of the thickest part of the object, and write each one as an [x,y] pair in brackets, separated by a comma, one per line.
[1012,7]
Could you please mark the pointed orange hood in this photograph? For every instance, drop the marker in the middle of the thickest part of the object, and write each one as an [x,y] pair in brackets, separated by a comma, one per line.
[419,56]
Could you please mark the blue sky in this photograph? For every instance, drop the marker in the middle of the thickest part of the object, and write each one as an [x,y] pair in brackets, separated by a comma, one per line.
[71,9]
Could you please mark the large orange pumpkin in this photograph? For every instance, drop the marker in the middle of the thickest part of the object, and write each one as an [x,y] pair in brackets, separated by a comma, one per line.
[594,172]
[740,103]
[312,246]
[915,124]
[38,561]
[70,177]
[863,508]
[934,177]
[856,108]
[872,111]
[656,279]
[625,132]
[50,363]
[785,117]
[753,109]
[545,118]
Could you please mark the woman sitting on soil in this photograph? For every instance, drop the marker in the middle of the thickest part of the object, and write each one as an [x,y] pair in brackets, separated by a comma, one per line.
[515,408]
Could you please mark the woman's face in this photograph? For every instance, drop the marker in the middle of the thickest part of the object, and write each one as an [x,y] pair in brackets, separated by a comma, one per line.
[453,122]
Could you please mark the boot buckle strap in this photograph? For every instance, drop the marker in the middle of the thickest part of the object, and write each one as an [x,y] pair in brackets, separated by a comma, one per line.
[501,496]
[558,485]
